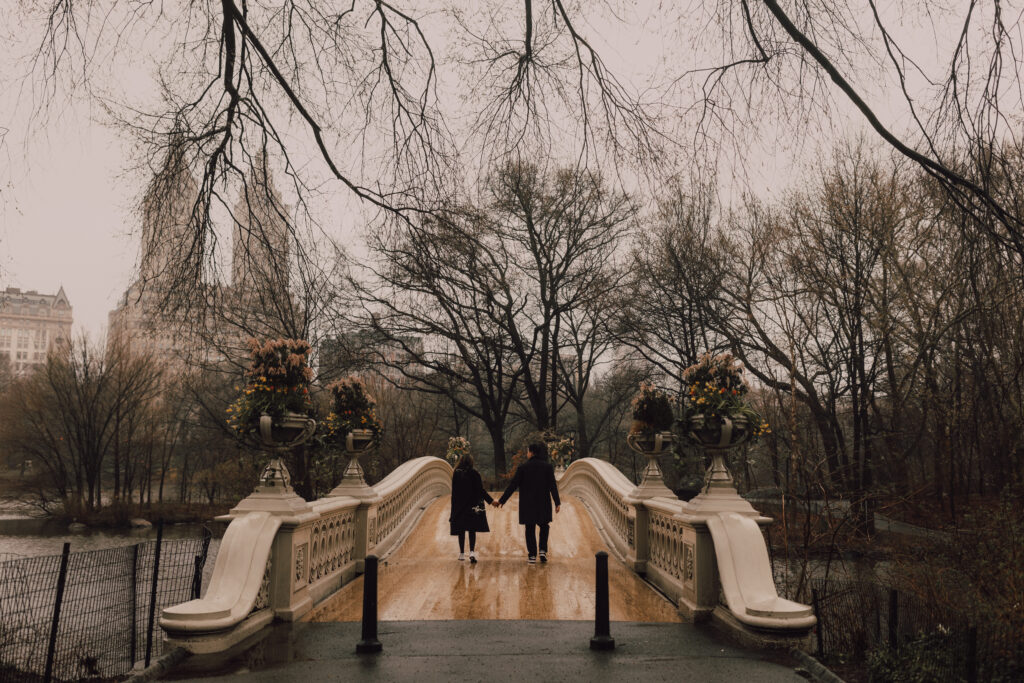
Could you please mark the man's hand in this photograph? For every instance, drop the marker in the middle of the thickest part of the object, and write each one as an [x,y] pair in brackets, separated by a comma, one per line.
[557,508]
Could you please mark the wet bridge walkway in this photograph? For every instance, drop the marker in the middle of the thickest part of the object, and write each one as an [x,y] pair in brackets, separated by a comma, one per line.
[423,579]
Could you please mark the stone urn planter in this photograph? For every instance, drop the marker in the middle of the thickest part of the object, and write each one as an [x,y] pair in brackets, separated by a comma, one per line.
[717,436]
[651,445]
[714,434]
[353,481]
[291,430]
[358,441]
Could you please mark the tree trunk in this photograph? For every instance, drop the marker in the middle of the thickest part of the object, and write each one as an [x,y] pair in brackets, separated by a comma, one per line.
[497,433]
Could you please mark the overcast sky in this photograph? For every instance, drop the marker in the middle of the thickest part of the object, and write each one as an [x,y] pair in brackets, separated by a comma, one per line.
[67,214]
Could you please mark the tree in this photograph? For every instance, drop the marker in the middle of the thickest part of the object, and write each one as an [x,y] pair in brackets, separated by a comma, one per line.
[266,88]
[668,311]
[69,417]
[474,304]
[436,310]
[959,123]
[563,232]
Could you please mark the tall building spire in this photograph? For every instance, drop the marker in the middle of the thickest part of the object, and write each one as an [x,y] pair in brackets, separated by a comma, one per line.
[166,211]
[260,235]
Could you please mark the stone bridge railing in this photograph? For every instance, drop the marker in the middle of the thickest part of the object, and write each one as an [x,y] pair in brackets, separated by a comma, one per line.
[281,555]
[605,492]
[708,555]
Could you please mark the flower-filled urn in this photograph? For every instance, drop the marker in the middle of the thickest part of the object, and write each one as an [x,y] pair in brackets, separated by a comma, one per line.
[650,435]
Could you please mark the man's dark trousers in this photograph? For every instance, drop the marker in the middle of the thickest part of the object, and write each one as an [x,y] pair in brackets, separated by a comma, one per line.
[531,538]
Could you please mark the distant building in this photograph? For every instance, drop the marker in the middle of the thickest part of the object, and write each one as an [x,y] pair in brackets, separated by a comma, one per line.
[259,272]
[32,325]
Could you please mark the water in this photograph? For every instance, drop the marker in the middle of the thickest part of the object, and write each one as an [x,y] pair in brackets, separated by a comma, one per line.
[27,537]
[23,533]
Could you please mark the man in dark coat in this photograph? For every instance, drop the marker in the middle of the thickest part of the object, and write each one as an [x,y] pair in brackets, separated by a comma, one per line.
[535,480]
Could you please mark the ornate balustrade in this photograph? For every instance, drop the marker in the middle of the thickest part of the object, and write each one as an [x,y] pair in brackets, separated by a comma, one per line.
[605,492]
[670,558]
[281,555]
[708,555]
[405,493]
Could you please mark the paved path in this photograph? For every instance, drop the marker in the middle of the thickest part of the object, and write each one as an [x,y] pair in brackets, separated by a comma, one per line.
[492,651]
[425,580]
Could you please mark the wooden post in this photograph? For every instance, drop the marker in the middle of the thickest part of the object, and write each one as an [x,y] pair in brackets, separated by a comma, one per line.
[197,578]
[135,602]
[62,578]
[818,626]
[972,654]
[894,618]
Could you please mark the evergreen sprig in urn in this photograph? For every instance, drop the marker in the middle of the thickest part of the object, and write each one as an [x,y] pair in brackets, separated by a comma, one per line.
[353,424]
[273,408]
[716,415]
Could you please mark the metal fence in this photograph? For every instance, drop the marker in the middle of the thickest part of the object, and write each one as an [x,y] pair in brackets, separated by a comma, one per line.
[92,614]
[866,620]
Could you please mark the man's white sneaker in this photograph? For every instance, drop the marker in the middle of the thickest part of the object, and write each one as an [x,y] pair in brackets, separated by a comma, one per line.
[543,556]
[472,557]
[531,559]
[462,556]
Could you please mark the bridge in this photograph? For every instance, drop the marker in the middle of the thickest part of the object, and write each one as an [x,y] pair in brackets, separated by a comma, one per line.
[285,559]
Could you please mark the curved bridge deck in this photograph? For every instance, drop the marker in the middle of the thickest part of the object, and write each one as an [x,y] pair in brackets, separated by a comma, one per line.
[423,579]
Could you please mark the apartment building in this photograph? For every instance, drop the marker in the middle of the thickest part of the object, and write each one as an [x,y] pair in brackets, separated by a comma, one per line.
[31,326]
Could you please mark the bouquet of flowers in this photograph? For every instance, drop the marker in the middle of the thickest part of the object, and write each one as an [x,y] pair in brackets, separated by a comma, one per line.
[277,384]
[715,388]
[457,447]
[352,409]
[652,410]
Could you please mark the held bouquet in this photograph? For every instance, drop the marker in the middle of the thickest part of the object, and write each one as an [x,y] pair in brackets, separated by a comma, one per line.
[457,447]
[277,384]
[352,409]
[715,388]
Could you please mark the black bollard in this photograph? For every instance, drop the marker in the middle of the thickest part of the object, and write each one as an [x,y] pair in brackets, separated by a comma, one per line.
[602,639]
[369,643]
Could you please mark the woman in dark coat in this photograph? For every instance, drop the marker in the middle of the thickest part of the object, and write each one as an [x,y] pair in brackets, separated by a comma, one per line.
[535,480]
[469,511]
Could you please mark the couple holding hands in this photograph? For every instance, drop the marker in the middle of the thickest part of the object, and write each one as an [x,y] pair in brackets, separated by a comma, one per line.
[535,481]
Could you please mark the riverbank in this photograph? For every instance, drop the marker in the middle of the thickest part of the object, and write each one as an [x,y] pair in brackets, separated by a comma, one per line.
[124,516]
[27,531]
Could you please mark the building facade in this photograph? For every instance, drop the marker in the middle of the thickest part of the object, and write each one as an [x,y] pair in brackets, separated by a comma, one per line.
[31,326]
[216,328]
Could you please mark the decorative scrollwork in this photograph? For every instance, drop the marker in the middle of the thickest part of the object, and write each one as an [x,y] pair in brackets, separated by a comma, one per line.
[263,597]
[300,564]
